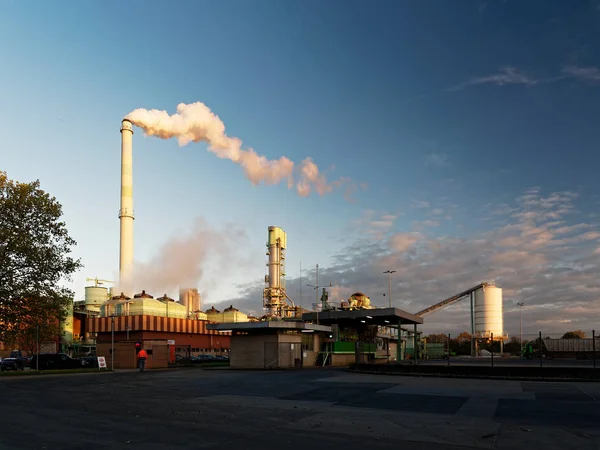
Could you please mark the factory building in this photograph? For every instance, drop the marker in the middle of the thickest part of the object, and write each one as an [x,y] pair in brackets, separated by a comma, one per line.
[146,304]
[184,337]
[160,322]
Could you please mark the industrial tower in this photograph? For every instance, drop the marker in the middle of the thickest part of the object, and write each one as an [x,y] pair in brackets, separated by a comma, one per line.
[274,295]
[126,211]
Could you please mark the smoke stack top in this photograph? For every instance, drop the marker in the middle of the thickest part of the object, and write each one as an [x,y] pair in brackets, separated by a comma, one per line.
[195,122]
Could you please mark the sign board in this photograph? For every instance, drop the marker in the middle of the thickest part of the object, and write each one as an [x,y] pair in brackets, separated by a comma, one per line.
[102,362]
[170,342]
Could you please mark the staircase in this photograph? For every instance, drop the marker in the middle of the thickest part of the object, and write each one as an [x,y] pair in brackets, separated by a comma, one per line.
[323,359]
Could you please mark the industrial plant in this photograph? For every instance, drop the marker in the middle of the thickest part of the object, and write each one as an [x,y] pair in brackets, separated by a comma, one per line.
[112,321]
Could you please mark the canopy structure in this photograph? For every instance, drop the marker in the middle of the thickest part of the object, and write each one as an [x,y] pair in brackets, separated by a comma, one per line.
[386,317]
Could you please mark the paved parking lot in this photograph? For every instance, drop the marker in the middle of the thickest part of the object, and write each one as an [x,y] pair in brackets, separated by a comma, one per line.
[332,409]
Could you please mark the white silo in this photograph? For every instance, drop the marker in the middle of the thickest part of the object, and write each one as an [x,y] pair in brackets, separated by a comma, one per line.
[94,297]
[489,312]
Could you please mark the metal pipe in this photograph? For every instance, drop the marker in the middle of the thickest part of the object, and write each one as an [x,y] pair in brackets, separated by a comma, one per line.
[126,212]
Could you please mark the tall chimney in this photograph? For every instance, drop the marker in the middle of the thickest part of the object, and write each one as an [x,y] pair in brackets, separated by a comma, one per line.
[126,211]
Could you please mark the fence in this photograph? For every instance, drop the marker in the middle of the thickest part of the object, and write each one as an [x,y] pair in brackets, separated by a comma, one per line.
[282,355]
[568,349]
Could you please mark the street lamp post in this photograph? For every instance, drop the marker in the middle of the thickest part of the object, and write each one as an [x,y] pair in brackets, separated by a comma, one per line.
[316,288]
[520,305]
[390,272]
[317,295]
[112,345]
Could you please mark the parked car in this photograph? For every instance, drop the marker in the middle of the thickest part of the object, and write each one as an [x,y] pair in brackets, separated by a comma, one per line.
[17,354]
[12,364]
[55,361]
[89,361]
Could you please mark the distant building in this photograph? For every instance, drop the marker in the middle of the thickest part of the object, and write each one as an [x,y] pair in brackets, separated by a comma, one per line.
[191,300]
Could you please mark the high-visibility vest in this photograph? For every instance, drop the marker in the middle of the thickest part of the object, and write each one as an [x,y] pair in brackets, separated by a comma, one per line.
[142,354]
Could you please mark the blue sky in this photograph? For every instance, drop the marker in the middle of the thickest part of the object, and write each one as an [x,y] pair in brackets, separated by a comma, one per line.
[448,111]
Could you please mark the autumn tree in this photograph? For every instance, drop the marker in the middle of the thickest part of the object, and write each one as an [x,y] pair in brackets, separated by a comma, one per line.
[437,338]
[513,346]
[577,334]
[35,250]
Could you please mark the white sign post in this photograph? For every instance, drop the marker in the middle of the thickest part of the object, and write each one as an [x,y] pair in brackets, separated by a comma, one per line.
[102,363]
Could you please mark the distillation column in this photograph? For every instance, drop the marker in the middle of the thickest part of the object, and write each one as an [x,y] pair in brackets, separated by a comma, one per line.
[274,292]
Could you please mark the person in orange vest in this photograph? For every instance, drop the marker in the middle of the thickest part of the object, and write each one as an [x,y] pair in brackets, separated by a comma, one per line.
[142,357]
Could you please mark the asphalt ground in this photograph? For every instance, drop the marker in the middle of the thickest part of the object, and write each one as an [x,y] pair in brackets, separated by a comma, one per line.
[300,409]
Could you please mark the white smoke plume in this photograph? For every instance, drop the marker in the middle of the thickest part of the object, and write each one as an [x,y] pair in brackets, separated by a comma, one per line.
[195,259]
[195,122]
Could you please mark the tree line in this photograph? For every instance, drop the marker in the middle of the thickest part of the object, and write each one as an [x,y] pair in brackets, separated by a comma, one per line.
[35,259]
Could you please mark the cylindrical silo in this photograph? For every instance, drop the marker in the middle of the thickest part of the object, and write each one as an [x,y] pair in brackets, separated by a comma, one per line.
[94,297]
[489,312]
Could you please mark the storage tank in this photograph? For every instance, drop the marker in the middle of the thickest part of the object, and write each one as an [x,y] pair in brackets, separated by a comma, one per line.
[489,312]
[94,297]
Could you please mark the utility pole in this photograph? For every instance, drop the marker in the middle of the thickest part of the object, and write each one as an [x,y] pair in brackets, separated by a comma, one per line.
[520,305]
[390,272]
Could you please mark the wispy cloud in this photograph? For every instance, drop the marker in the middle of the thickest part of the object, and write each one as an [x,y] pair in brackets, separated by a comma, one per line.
[437,159]
[512,75]
[506,75]
[420,204]
[375,224]
[582,73]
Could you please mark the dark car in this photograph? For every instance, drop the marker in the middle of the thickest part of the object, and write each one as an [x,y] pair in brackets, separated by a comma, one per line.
[12,364]
[90,361]
[17,354]
[55,361]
